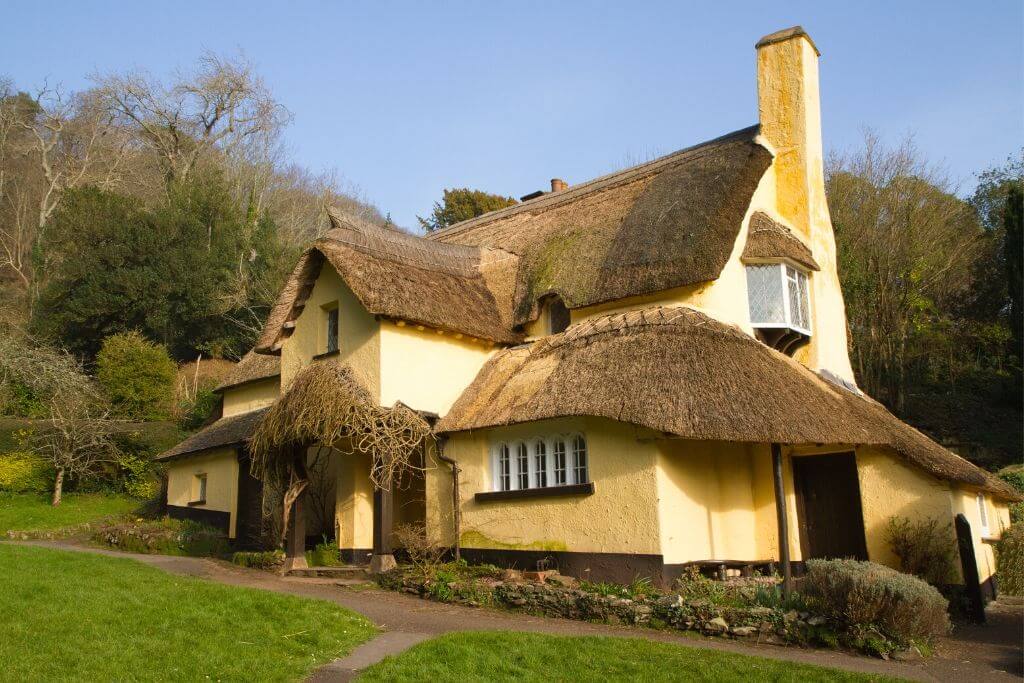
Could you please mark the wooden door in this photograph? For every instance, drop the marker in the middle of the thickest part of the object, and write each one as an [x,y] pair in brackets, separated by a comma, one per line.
[828,504]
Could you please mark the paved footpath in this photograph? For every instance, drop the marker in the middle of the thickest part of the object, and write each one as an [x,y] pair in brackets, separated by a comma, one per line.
[975,653]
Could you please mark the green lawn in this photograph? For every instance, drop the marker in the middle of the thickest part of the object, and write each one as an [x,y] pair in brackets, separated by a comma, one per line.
[68,615]
[501,656]
[31,512]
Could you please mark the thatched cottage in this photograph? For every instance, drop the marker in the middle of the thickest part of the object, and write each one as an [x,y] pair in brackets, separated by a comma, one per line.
[626,376]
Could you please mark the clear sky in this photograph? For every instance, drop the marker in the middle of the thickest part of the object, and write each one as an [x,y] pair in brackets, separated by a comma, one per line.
[405,99]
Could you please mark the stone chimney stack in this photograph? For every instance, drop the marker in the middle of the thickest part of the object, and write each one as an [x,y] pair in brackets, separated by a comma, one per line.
[558,185]
[790,114]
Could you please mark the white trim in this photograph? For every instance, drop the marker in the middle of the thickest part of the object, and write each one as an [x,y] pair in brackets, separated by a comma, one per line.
[983,514]
[789,323]
[514,446]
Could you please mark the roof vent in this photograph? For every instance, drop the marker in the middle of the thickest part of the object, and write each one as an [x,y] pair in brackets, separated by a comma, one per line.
[532,195]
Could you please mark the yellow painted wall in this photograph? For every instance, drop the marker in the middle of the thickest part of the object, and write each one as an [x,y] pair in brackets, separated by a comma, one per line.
[358,333]
[965,501]
[221,470]
[354,506]
[891,487]
[425,369]
[620,517]
[250,396]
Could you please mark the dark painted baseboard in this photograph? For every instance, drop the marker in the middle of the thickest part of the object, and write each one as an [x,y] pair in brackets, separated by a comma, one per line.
[215,518]
[617,567]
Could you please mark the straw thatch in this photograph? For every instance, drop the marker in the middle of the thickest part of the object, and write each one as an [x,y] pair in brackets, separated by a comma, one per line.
[678,371]
[664,224]
[252,368]
[767,239]
[396,275]
[227,431]
[326,404]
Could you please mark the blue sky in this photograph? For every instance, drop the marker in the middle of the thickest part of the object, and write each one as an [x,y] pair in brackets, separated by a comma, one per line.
[405,99]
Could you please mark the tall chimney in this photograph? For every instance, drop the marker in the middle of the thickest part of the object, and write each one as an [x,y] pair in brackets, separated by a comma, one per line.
[557,185]
[790,113]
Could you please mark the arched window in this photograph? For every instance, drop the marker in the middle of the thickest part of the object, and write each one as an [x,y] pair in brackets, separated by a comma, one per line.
[561,467]
[540,463]
[579,460]
[523,466]
[504,468]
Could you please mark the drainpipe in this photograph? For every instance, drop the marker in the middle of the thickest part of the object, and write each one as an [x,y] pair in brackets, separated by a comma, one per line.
[456,502]
[780,511]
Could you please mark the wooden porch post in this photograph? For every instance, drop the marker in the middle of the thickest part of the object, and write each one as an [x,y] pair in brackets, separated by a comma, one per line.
[296,550]
[783,519]
[383,559]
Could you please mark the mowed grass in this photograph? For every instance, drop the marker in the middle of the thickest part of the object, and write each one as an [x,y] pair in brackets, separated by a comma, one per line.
[506,656]
[76,616]
[33,512]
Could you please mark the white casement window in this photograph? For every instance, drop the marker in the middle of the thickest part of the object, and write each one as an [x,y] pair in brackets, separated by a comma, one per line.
[983,514]
[503,469]
[543,462]
[777,295]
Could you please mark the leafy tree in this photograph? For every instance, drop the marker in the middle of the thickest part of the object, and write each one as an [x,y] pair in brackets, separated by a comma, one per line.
[462,204]
[136,375]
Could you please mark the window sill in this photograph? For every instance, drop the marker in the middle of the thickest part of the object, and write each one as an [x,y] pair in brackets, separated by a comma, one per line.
[546,492]
[327,354]
[991,540]
[193,503]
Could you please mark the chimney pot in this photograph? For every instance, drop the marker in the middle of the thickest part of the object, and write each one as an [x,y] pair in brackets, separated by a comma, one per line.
[558,185]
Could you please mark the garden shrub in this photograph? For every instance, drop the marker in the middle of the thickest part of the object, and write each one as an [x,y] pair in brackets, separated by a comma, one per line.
[1010,560]
[267,559]
[141,479]
[137,376]
[1014,476]
[195,412]
[325,554]
[22,472]
[878,608]
[925,548]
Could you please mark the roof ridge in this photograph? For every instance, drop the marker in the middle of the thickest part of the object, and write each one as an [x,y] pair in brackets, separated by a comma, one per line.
[595,184]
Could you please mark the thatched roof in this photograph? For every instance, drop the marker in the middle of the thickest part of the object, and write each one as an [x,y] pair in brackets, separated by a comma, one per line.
[677,371]
[393,274]
[327,404]
[768,239]
[252,368]
[664,224]
[227,431]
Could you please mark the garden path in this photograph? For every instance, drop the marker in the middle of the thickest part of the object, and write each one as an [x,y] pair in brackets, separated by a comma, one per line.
[973,653]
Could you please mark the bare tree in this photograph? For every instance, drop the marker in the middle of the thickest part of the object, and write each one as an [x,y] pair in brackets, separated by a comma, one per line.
[222,103]
[906,242]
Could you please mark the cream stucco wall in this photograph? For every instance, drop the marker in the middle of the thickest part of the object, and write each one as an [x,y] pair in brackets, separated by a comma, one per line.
[250,396]
[620,517]
[221,470]
[358,333]
[427,369]
[354,505]
[965,501]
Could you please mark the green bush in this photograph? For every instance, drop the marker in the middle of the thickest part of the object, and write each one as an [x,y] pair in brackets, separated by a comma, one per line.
[25,473]
[878,608]
[1010,560]
[925,548]
[198,411]
[141,478]
[137,376]
[1014,476]
[326,554]
[269,559]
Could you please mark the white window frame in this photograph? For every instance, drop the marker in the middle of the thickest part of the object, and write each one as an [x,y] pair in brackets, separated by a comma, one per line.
[514,478]
[202,482]
[983,515]
[783,267]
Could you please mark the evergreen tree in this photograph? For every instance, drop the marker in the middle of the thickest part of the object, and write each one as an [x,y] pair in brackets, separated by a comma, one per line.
[462,204]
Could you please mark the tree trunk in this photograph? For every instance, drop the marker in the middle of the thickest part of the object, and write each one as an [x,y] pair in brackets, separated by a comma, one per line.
[58,487]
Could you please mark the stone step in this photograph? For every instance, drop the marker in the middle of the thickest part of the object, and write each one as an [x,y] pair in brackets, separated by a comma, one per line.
[344,572]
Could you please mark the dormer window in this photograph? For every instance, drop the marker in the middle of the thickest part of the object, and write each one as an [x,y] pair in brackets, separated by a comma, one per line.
[331,328]
[777,294]
[556,315]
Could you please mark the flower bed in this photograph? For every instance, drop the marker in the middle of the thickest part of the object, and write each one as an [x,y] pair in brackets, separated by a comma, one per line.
[743,609]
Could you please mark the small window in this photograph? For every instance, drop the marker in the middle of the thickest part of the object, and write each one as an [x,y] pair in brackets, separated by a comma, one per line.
[779,305]
[561,471]
[523,466]
[579,460]
[983,514]
[199,492]
[558,316]
[540,464]
[332,330]
[504,468]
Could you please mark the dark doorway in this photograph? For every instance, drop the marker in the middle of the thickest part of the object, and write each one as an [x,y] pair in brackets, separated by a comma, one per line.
[828,503]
